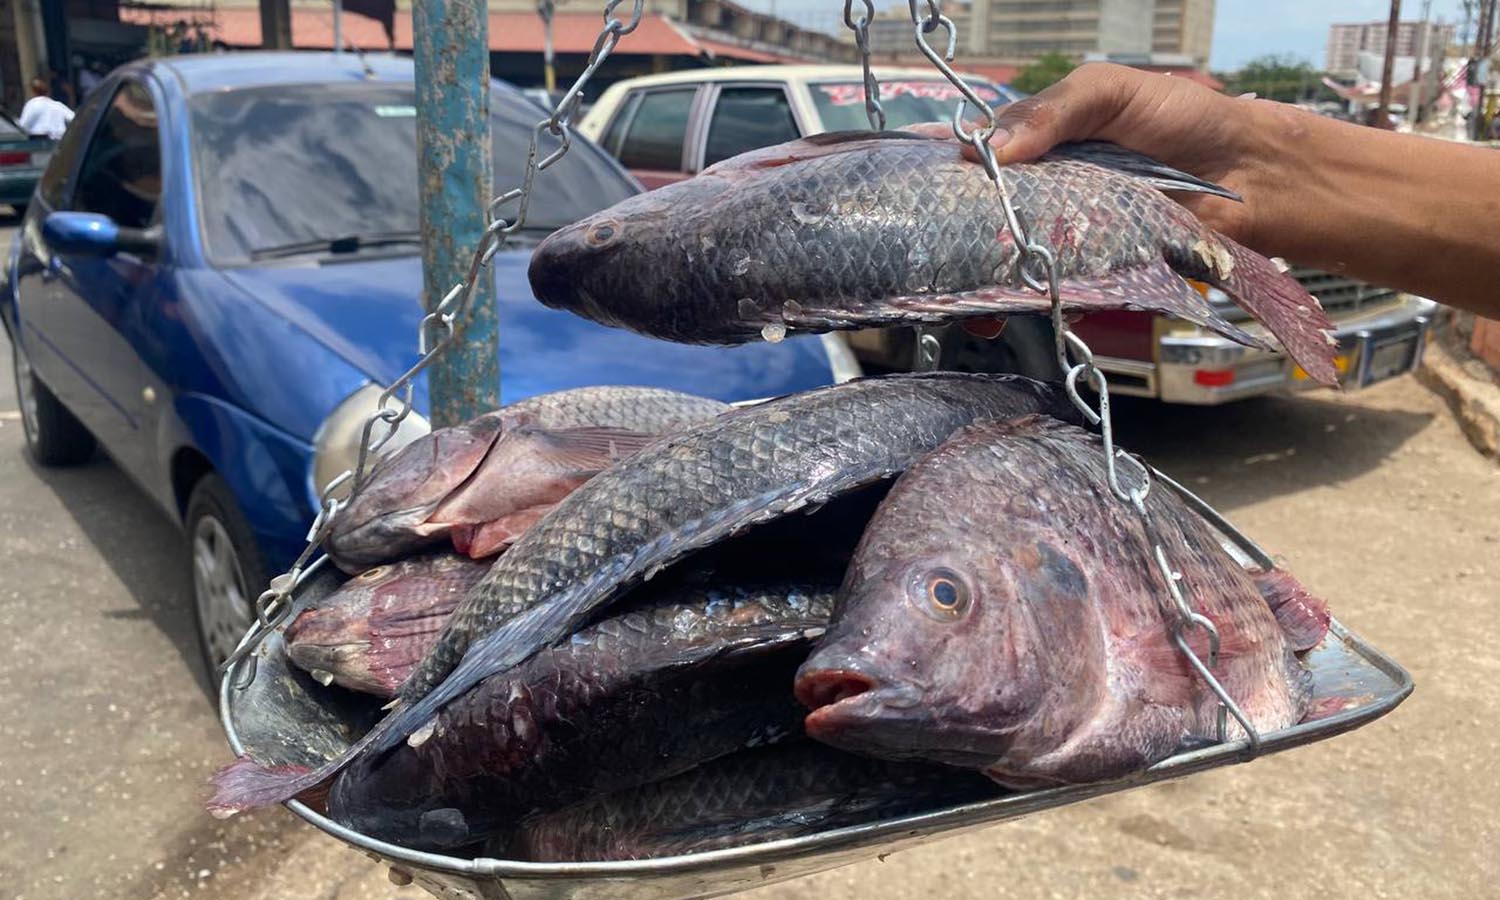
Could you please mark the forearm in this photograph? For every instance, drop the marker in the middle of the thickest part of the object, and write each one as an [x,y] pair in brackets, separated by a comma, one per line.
[1397,210]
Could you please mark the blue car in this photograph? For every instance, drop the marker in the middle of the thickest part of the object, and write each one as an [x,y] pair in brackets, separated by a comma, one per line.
[220,266]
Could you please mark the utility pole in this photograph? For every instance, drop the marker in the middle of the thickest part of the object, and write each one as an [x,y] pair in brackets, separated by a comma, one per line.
[338,27]
[1423,49]
[1479,67]
[451,50]
[1387,67]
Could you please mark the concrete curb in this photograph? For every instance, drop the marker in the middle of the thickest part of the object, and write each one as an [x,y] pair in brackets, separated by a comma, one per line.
[1475,402]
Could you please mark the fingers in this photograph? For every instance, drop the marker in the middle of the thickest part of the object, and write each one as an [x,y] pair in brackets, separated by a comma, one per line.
[1079,107]
[988,328]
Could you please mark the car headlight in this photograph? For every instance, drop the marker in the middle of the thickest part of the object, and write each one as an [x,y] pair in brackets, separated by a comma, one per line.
[336,445]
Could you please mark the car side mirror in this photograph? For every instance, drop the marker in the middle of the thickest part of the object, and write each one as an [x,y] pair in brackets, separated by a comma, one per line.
[93,234]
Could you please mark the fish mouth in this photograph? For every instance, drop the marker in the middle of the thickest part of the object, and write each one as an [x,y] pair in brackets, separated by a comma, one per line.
[852,710]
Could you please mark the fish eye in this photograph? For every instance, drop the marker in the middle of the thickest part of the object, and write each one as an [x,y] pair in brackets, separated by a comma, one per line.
[941,593]
[602,234]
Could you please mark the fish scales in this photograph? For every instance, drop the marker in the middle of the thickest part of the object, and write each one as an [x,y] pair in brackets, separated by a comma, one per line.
[747,466]
[748,797]
[859,230]
[700,672]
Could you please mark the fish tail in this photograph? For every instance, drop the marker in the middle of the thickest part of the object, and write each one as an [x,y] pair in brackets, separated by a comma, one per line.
[1303,618]
[1276,300]
[246,784]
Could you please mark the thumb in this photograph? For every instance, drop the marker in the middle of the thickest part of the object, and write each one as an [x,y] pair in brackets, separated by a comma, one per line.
[1074,109]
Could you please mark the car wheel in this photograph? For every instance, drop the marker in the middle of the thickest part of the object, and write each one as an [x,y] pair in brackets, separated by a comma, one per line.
[228,574]
[54,436]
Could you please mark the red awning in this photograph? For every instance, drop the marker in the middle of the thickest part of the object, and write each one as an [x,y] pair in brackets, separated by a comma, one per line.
[992,72]
[743,54]
[510,32]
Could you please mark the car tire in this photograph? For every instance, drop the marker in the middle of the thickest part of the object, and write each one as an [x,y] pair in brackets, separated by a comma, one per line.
[1025,347]
[54,436]
[227,570]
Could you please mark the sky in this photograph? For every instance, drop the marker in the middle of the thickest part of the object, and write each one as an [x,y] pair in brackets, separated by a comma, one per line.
[1243,29]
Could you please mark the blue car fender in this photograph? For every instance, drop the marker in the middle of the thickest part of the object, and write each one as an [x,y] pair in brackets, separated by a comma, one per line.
[265,467]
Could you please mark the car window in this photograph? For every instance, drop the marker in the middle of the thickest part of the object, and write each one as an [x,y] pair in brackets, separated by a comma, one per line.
[316,162]
[9,129]
[121,172]
[616,132]
[841,104]
[746,118]
[654,139]
[55,177]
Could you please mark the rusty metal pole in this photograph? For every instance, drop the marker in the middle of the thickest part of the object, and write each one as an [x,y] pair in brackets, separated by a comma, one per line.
[1387,67]
[451,49]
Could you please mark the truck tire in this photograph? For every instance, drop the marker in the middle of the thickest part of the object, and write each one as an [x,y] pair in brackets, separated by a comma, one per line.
[227,569]
[54,436]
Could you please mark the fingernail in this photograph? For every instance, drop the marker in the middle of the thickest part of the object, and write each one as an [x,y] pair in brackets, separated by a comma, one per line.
[1000,138]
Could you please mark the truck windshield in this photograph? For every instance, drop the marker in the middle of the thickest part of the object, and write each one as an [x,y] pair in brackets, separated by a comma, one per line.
[305,164]
[841,104]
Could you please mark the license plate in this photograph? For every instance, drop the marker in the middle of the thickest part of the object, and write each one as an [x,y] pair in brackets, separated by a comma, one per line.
[1390,360]
[1340,362]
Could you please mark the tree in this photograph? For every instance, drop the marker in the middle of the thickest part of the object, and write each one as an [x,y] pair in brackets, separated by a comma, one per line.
[1275,78]
[1050,68]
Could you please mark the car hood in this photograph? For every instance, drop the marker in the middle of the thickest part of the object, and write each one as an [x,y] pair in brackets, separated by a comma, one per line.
[367,310]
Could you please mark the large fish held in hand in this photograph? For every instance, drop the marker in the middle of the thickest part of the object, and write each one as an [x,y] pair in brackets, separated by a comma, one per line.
[484,482]
[856,230]
[1004,613]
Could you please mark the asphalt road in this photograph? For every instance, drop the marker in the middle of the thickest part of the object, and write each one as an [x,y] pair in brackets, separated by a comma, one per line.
[1374,500]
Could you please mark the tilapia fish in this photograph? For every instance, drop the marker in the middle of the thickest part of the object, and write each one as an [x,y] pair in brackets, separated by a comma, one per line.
[749,797]
[746,467]
[485,481]
[700,672]
[854,230]
[1003,612]
[373,630]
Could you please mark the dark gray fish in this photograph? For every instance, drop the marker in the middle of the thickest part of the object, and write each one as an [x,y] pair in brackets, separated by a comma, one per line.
[750,797]
[491,477]
[1004,613]
[857,230]
[746,467]
[370,633]
[701,672]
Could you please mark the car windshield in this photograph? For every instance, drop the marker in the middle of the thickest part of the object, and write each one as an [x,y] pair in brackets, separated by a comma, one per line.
[303,164]
[841,104]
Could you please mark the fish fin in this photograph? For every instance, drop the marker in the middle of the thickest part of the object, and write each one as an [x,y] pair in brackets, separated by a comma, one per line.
[1274,298]
[589,449]
[1128,162]
[489,538]
[1302,617]
[830,143]
[246,784]
[1154,287]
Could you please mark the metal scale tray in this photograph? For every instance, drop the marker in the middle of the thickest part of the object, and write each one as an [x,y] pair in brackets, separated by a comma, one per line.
[283,716]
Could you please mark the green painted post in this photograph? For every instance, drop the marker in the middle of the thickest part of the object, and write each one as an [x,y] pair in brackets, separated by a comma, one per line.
[451,50]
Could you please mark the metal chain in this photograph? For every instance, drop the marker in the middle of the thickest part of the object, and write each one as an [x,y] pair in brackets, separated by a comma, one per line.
[1038,270]
[434,335]
[861,29]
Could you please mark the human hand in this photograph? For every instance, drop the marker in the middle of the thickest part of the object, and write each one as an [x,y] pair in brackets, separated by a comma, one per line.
[1173,120]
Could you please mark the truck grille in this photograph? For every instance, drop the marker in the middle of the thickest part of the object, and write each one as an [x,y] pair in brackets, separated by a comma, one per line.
[1341,296]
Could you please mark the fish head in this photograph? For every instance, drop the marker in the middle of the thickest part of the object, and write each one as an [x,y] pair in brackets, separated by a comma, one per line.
[654,263]
[960,633]
[385,516]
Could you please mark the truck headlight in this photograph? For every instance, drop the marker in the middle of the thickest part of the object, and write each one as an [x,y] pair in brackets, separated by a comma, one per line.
[336,445]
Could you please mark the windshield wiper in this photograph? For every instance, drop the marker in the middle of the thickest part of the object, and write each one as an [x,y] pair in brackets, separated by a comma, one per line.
[351,243]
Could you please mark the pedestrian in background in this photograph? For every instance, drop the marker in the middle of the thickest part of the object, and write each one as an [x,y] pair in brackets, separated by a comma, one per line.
[42,114]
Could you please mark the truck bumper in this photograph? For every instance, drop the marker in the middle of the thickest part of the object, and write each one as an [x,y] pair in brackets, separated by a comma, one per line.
[1205,369]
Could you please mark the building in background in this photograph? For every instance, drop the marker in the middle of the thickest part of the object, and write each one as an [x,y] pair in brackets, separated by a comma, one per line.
[1413,39]
[1175,33]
